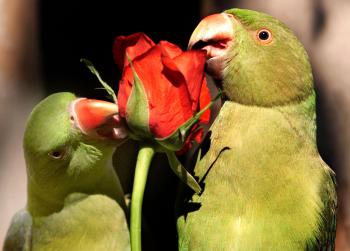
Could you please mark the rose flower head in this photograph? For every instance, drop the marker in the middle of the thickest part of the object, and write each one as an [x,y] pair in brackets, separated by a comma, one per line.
[162,91]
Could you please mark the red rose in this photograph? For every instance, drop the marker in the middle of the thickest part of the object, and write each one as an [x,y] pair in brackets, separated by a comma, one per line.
[172,86]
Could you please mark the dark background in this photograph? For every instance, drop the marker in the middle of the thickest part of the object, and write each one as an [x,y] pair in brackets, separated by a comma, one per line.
[70,30]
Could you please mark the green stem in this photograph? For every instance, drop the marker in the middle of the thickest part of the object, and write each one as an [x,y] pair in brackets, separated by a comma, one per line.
[143,163]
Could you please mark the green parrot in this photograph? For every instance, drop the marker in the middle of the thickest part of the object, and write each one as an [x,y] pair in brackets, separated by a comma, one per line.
[75,200]
[265,184]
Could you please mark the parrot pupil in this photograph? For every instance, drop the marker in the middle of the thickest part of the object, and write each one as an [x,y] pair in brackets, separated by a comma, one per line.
[56,154]
[264,35]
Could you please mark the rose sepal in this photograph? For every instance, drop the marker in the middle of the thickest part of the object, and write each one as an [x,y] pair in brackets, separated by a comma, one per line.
[137,109]
[182,173]
[106,86]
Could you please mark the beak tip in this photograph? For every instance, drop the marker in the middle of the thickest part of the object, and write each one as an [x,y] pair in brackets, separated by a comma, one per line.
[87,115]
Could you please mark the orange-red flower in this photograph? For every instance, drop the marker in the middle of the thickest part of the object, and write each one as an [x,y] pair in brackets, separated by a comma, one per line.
[173,86]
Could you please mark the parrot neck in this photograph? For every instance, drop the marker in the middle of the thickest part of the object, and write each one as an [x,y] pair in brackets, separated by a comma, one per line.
[43,203]
[40,205]
[301,116]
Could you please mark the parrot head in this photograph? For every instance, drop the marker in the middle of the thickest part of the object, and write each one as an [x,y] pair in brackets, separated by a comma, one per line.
[67,142]
[256,58]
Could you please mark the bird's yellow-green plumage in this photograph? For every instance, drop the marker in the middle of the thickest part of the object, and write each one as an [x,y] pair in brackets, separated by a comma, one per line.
[265,185]
[87,222]
[75,200]
[266,75]
[83,164]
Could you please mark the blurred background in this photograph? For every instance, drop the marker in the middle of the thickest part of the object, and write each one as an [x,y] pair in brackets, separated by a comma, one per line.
[41,43]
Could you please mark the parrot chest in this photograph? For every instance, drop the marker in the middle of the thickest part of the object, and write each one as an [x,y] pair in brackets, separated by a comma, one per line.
[92,223]
[261,185]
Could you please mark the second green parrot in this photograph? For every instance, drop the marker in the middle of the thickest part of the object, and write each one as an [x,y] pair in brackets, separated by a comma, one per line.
[75,200]
[265,184]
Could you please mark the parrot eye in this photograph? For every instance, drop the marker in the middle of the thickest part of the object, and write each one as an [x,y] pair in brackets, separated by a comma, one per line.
[57,154]
[264,36]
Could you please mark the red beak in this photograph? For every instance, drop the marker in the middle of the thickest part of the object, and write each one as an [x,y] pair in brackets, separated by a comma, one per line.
[97,118]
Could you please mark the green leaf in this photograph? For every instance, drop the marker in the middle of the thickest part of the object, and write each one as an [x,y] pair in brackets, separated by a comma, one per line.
[182,173]
[176,140]
[137,108]
[93,70]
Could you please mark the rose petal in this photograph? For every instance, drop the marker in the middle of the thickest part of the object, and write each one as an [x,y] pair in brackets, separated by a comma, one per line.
[191,64]
[197,134]
[172,71]
[135,45]
[166,91]
[174,107]
[170,50]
